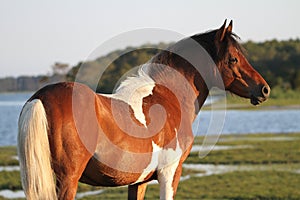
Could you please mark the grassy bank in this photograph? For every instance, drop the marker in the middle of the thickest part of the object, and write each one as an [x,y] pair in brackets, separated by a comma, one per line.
[279,98]
[266,166]
[259,149]
[234,185]
[8,156]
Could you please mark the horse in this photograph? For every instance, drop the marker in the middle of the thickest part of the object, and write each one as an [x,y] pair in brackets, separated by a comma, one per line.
[67,133]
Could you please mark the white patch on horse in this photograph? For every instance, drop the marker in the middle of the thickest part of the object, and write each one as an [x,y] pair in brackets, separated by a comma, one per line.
[152,166]
[165,161]
[133,90]
[168,164]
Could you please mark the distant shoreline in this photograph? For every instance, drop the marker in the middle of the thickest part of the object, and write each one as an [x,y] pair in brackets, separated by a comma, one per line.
[262,107]
[275,104]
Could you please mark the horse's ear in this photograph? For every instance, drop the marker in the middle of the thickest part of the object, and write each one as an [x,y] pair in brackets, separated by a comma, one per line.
[229,28]
[221,32]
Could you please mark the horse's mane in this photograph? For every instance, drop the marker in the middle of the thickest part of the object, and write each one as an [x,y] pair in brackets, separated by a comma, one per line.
[209,38]
[217,50]
[143,76]
[207,41]
[135,82]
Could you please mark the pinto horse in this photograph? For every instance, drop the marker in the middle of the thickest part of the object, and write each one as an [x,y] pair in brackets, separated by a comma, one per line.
[68,133]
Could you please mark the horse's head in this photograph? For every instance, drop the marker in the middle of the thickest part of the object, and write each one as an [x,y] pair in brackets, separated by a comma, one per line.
[238,75]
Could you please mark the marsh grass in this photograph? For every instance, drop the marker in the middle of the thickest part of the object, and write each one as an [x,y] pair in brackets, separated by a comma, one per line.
[263,149]
[267,185]
[10,180]
[8,156]
[279,98]
[261,153]
[274,160]
[242,185]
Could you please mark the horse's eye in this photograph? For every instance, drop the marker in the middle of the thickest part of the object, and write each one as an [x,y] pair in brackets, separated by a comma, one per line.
[233,60]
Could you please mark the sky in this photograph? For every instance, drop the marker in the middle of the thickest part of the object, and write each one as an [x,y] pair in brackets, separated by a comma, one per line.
[35,34]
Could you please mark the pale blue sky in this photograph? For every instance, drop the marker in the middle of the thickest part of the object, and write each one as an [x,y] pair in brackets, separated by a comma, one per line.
[35,34]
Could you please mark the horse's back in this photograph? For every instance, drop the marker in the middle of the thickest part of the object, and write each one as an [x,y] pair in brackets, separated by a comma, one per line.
[61,92]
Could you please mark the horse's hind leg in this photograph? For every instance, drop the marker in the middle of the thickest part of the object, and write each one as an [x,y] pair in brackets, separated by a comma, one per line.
[67,177]
[67,188]
[137,191]
[69,172]
[69,159]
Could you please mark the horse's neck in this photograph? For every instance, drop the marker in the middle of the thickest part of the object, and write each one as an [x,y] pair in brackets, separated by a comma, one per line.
[203,93]
[189,89]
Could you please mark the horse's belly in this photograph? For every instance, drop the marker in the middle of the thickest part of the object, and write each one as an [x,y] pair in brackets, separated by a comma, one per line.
[99,174]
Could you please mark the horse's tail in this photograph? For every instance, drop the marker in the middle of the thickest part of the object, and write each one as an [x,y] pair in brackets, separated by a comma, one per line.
[34,153]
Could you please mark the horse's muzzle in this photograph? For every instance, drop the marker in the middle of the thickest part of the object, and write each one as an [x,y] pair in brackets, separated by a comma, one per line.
[262,96]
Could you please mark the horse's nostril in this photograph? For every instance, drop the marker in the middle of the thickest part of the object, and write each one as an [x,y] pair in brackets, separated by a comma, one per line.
[266,91]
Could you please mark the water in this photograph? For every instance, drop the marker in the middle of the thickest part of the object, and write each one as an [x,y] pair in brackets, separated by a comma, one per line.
[10,107]
[235,121]
[254,121]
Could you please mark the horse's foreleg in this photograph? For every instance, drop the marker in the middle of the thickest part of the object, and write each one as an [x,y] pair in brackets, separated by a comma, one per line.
[168,179]
[137,191]
[176,179]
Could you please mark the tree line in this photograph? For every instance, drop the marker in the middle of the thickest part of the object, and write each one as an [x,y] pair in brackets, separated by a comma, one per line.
[277,61]
[33,83]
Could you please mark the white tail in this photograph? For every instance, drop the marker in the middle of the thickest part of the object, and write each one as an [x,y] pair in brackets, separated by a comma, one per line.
[34,153]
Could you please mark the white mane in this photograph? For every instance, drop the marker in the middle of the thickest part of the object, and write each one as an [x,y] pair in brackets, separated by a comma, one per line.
[133,89]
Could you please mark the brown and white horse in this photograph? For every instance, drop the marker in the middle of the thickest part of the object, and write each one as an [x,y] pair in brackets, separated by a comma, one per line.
[143,132]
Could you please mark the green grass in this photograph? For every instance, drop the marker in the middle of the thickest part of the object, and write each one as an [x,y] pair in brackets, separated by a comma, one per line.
[235,102]
[271,175]
[10,180]
[236,185]
[279,98]
[276,181]
[242,185]
[259,151]
[82,187]
[7,156]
